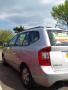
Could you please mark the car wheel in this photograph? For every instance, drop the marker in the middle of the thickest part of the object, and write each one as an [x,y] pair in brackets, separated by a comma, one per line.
[4,61]
[26,77]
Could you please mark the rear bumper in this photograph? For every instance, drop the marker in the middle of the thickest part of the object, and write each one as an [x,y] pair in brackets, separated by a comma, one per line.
[49,78]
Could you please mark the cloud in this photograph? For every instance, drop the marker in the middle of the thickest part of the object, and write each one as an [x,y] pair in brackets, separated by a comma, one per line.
[60,1]
[49,22]
[51,1]
[27,12]
[46,1]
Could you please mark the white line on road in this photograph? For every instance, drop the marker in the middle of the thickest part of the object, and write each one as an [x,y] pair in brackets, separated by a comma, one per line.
[0,88]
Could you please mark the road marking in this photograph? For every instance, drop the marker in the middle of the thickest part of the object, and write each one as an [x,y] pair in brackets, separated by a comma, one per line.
[0,88]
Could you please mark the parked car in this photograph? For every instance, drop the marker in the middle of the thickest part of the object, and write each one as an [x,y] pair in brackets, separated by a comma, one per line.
[40,54]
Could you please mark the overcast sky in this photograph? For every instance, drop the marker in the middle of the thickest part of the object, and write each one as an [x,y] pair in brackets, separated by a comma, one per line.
[28,13]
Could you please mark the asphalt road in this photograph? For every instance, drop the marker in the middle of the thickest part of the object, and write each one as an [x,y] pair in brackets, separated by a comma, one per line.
[10,80]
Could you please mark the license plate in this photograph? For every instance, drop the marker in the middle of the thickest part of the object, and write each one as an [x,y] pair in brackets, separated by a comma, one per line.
[67,55]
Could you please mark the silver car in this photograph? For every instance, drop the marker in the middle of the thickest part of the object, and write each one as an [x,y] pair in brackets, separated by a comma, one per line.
[40,54]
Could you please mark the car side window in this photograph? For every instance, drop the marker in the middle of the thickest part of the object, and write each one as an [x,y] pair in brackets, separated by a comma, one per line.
[22,39]
[12,41]
[34,36]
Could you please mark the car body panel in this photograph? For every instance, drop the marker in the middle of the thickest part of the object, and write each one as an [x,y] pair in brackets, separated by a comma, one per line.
[43,75]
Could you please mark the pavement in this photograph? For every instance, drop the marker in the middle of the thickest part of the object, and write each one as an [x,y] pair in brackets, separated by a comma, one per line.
[10,80]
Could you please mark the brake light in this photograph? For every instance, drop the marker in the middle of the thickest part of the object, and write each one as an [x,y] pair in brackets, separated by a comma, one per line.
[44,56]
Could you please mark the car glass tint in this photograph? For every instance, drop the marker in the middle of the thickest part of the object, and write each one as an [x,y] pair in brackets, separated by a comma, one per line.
[22,39]
[12,41]
[34,36]
[58,38]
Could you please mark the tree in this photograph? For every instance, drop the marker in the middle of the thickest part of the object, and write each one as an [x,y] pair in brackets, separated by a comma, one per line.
[5,36]
[18,29]
[60,12]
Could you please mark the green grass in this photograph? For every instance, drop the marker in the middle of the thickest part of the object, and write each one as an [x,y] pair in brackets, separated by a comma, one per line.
[1,47]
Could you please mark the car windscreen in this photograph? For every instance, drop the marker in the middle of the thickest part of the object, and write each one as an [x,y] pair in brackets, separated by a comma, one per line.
[58,37]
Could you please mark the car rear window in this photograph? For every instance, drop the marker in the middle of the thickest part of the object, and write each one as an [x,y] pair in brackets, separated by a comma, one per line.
[58,37]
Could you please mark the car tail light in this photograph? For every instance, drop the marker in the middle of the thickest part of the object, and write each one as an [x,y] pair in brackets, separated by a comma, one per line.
[44,56]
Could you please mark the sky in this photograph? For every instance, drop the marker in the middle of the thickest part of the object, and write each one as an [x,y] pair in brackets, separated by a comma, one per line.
[28,13]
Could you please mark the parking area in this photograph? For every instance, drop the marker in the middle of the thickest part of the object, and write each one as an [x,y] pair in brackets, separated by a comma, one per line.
[10,80]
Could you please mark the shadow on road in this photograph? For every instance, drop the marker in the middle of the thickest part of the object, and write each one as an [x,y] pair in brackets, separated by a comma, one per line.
[10,80]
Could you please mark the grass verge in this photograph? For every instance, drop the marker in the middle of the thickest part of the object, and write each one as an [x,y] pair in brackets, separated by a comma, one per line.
[1,47]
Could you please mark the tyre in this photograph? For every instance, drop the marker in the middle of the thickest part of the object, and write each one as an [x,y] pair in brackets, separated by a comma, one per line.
[26,77]
[4,61]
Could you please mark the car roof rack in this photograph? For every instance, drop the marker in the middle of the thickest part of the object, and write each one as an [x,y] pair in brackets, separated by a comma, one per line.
[35,27]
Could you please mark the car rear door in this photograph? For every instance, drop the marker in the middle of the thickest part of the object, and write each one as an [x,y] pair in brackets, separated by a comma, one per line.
[59,49]
[59,57]
[24,49]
